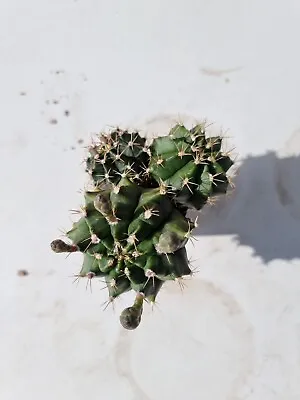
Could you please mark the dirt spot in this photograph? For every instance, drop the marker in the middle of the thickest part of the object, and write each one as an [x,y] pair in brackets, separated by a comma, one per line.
[22,272]
[22,93]
[67,113]
[80,141]
[53,121]
[72,147]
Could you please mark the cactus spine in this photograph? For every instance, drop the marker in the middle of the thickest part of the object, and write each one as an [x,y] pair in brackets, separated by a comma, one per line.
[134,227]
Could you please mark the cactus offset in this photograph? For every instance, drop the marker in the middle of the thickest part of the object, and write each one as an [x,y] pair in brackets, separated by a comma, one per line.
[192,164]
[116,155]
[133,229]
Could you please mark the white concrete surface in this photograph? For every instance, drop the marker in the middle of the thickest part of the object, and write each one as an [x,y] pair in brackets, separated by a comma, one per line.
[234,333]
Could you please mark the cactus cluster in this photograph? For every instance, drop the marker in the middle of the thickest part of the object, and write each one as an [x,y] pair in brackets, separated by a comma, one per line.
[134,225]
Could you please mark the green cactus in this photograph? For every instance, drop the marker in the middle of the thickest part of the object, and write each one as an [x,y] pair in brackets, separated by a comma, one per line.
[134,229]
[132,236]
[116,155]
[191,164]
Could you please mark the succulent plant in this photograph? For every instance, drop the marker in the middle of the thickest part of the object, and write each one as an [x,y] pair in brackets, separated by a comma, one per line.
[119,154]
[134,229]
[191,164]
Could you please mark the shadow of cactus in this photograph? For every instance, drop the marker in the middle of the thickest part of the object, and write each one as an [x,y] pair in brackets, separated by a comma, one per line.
[263,211]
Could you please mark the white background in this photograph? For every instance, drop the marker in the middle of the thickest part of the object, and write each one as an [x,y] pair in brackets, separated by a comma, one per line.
[234,332]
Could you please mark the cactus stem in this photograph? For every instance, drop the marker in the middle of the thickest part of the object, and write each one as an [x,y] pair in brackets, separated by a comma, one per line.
[130,318]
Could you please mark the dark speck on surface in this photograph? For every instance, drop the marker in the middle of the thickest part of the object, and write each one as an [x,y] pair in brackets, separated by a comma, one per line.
[73,147]
[23,93]
[53,121]
[80,141]
[22,272]
[67,113]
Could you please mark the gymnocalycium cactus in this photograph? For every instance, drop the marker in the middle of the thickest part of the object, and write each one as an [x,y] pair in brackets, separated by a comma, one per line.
[134,228]
[192,164]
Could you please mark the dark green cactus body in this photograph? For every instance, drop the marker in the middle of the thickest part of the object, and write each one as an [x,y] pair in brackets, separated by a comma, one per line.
[134,228]
[191,164]
[134,237]
[120,153]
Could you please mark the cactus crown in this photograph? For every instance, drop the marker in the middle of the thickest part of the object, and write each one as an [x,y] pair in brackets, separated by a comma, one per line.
[134,229]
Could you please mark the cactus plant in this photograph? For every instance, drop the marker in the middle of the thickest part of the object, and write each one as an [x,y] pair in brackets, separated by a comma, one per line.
[191,163]
[134,229]
[119,154]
